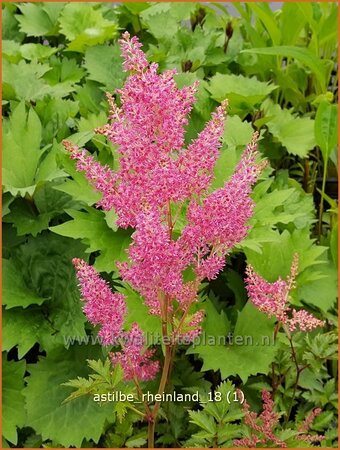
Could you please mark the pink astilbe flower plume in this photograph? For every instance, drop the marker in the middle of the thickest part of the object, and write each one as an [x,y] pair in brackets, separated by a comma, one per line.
[148,129]
[262,426]
[220,221]
[273,299]
[107,309]
[157,179]
[102,306]
[135,361]
[265,426]
[306,424]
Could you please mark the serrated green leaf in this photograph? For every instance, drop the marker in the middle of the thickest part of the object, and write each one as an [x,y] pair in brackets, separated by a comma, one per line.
[294,133]
[326,128]
[138,312]
[79,188]
[109,73]
[237,134]
[303,55]
[15,291]
[36,18]
[237,357]
[24,81]
[84,26]
[321,293]
[201,419]
[13,401]
[26,219]
[23,328]
[37,51]
[243,93]
[52,418]
[92,229]
[47,267]
[11,51]
[21,150]
[56,116]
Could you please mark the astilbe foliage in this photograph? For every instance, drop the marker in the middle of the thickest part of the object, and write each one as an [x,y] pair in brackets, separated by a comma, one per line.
[273,299]
[156,179]
[264,427]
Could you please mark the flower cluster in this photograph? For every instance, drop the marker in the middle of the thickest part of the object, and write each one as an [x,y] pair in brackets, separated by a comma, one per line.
[107,309]
[158,178]
[262,426]
[272,299]
[304,428]
[265,426]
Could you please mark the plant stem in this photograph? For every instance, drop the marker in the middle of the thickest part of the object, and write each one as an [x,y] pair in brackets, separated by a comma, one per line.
[325,164]
[164,378]
[298,372]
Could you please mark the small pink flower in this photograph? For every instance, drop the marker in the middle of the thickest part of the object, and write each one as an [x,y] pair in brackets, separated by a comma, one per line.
[102,306]
[135,361]
[273,299]
[107,309]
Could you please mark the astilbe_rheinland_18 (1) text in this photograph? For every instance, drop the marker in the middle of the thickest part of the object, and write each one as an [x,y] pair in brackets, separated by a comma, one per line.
[156,180]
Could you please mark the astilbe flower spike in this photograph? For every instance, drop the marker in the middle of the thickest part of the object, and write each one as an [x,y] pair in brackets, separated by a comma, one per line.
[135,362]
[273,299]
[262,425]
[156,176]
[102,306]
[107,309]
[265,426]
[304,428]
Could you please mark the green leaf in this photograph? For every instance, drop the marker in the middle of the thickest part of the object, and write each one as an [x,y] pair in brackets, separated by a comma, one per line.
[56,116]
[236,132]
[109,72]
[283,206]
[303,55]
[23,81]
[52,418]
[276,257]
[36,19]
[92,229]
[90,97]
[236,136]
[23,328]
[21,150]
[14,289]
[10,26]
[103,381]
[37,51]
[46,264]
[292,22]
[26,219]
[267,17]
[203,421]
[326,128]
[139,312]
[334,243]
[237,357]
[159,21]
[32,217]
[11,51]
[321,293]
[85,26]
[79,188]
[13,401]
[63,76]
[243,93]
[294,133]
[221,410]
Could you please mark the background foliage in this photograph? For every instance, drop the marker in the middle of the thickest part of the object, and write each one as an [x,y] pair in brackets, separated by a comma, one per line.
[279,72]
